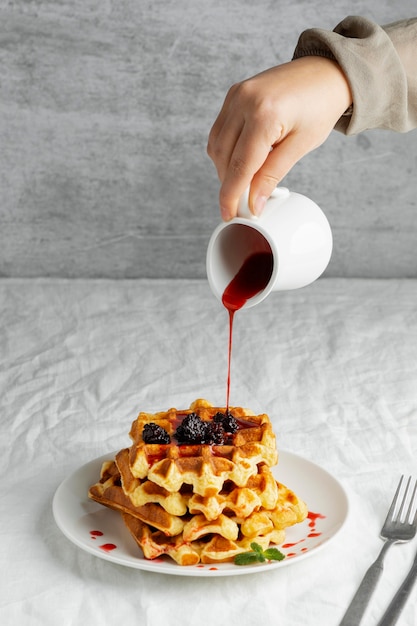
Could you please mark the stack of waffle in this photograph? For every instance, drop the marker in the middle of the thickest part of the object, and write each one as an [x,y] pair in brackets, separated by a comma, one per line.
[199,502]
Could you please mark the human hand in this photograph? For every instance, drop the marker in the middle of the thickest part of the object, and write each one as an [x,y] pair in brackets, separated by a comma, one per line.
[269,122]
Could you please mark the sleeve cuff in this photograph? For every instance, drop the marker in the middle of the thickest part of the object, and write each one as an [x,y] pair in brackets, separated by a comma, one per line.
[373,68]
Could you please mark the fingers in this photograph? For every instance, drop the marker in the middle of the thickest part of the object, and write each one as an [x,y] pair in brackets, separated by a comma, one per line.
[236,151]
[260,167]
[248,155]
[292,107]
[252,162]
[280,160]
[263,171]
[222,141]
[239,149]
[240,144]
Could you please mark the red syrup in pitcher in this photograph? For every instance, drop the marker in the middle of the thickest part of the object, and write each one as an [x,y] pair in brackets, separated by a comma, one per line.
[252,278]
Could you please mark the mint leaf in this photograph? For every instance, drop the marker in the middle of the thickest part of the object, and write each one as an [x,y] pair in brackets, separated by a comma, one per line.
[258,555]
[256,547]
[273,554]
[246,558]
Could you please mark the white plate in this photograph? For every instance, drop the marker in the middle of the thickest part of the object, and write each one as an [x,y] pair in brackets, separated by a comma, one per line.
[101,531]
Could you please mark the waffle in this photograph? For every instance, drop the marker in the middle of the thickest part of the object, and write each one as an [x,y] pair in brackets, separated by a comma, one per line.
[203,502]
[204,467]
[108,491]
[206,542]
[217,549]
[260,490]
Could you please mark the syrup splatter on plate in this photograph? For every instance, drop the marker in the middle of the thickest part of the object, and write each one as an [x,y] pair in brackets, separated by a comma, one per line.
[101,531]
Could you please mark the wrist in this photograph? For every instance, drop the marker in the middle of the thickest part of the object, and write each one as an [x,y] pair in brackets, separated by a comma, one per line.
[323,68]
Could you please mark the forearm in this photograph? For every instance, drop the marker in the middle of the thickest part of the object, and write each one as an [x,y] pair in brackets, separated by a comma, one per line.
[380,64]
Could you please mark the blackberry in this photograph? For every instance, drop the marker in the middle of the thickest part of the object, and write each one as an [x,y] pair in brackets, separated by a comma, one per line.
[193,430]
[153,433]
[227,420]
[215,434]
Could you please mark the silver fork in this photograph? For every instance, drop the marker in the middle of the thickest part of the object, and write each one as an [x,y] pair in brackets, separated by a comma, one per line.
[396,528]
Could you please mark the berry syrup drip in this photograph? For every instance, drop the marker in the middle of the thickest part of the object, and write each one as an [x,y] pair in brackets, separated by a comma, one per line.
[106,547]
[311,533]
[252,278]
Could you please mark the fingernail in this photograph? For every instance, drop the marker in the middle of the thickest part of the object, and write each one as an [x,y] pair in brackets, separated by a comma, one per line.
[259,204]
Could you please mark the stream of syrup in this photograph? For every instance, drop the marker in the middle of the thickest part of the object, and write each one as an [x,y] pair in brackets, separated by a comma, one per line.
[251,279]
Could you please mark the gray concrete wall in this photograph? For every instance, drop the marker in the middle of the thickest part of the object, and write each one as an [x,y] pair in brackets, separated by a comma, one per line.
[105,107]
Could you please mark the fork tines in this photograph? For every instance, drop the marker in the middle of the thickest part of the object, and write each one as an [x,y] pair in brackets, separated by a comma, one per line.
[408,499]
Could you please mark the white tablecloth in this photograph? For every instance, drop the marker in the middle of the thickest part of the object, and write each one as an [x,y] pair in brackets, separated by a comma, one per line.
[333,364]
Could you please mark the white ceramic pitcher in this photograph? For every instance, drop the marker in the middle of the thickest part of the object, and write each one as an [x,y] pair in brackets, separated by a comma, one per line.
[291,227]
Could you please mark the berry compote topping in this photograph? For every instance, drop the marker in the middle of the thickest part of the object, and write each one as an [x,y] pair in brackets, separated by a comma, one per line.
[153,433]
[227,421]
[194,431]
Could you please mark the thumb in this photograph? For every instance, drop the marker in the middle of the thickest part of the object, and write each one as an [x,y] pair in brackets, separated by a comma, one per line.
[276,166]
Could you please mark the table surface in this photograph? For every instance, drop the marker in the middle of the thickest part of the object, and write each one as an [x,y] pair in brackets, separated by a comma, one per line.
[333,364]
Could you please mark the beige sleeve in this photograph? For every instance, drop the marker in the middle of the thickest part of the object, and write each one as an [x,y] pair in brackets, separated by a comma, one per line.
[380,63]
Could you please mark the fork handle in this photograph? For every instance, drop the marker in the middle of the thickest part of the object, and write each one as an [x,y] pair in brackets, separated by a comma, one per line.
[360,601]
[392,613]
